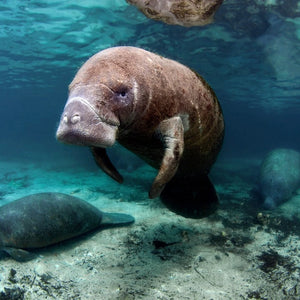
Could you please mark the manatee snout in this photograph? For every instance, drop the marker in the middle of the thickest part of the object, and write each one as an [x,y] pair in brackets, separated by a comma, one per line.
[80,124]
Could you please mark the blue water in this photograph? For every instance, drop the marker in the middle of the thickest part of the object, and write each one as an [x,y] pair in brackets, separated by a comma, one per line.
[252,61]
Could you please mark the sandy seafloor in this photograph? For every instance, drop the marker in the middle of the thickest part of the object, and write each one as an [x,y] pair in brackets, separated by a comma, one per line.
[239,252]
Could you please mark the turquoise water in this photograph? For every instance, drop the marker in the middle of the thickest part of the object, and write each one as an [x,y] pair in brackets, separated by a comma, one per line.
[250,60]
[250,55]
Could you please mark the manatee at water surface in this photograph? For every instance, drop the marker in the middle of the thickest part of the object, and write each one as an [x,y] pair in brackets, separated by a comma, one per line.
[43,219]
[155,107]
[279,176]
[179,12]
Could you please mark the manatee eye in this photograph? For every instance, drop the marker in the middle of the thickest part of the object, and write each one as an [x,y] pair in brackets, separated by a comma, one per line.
[123,94]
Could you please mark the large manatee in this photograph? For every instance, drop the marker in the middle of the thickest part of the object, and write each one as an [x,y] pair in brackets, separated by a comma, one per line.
[179,12]
[43,219]
[157,108]
[279,176]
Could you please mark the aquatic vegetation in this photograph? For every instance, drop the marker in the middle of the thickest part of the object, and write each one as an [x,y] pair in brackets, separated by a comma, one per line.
[271,260]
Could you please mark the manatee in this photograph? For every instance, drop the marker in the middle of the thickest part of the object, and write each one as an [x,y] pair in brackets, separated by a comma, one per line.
[157,108]
[279,176]
[44,219]
[179,12]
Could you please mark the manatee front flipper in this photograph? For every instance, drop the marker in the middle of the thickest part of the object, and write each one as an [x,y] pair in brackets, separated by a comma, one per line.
[105,164]
[19,254]
[171,133]
[192,197]
[269,203]
[116,219]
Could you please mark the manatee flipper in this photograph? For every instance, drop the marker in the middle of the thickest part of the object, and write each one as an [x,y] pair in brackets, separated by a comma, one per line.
[116,219]
[19,254]
[192,197]
[269,203]
[105,164]
[171,133]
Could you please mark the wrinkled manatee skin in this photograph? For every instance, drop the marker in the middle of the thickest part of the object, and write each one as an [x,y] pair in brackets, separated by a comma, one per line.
[155,107]
[279,176]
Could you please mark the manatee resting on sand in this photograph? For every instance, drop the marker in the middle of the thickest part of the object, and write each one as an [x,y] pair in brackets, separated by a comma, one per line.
[40,220]
[279,176]
[179,12]
[155,107]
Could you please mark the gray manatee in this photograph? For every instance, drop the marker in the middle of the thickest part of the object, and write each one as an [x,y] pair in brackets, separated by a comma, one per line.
[44,219]
[279,176]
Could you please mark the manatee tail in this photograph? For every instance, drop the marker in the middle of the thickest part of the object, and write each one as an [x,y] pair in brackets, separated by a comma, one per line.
[190,197]
[115,219]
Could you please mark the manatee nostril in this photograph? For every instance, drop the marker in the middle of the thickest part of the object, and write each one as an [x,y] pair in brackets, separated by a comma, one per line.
[65,119]
[75,119]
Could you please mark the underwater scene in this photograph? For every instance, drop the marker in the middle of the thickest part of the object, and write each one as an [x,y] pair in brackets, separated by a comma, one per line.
[150,149]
